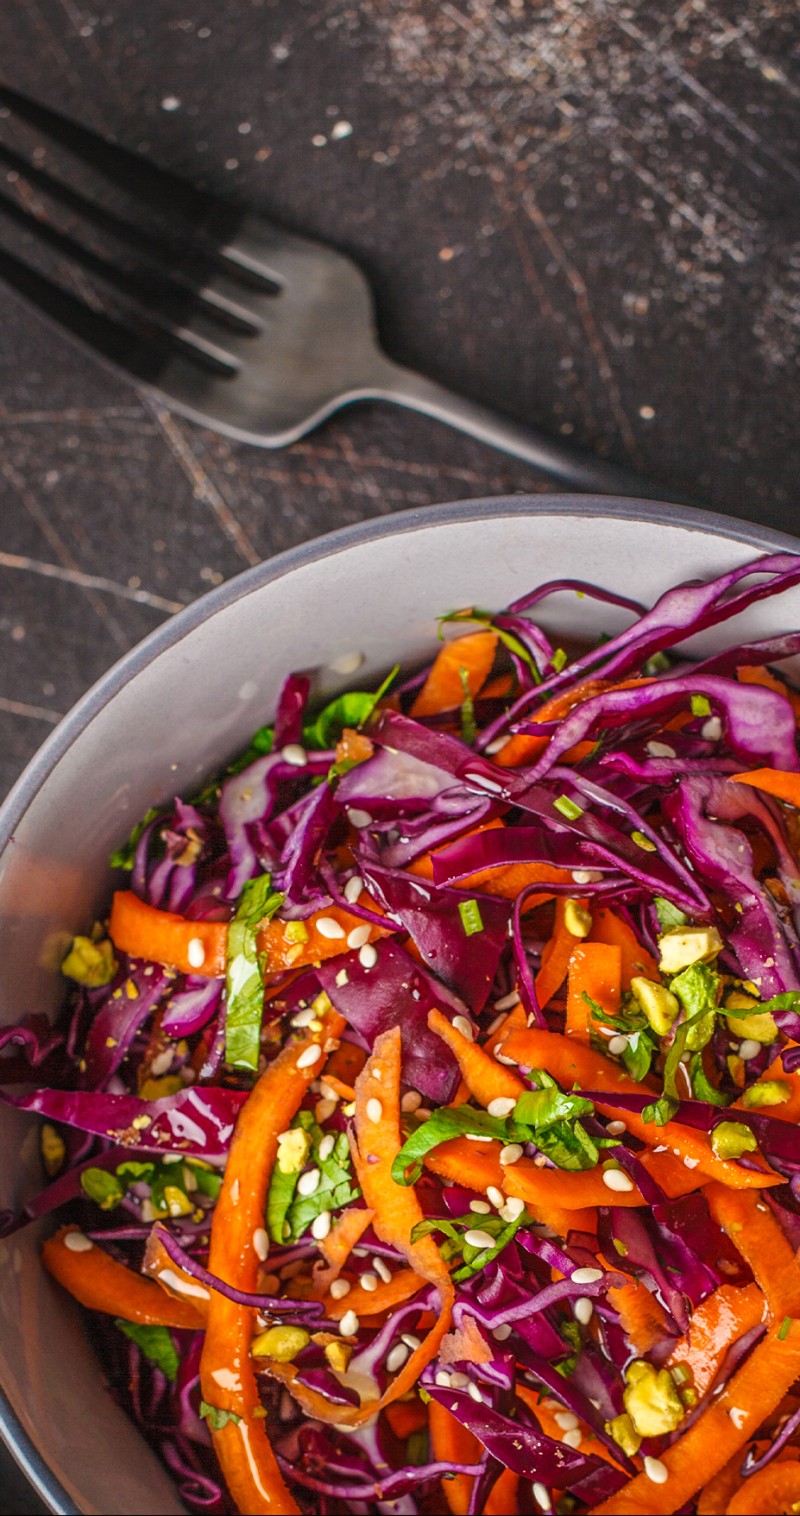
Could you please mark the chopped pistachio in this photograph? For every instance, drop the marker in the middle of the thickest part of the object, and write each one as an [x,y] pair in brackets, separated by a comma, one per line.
[178,1204]
[732,1138]
[624,1434]
[90,963]
[651,1399]
[688,944]
[295,931]
[281,1343]
[577,920]
[338,1355]
[156,1089]
[53,1149]
[766,1092]
[293,1150]
[659,1004]
[760,1026]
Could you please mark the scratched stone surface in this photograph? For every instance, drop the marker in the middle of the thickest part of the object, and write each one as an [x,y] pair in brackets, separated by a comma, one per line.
[584,212]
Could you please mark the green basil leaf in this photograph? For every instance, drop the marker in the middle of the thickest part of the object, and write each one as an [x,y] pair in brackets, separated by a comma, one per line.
[244,981]
[156,1344]
[639,1054]
[123,857]
[216,1417]
[661,1111]
[668,914]
[441,1127]
[546,1107]
[351,709]
[702,1087]
[103,1188]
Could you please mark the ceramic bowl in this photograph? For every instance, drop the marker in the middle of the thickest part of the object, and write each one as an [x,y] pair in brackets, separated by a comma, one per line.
[174,710]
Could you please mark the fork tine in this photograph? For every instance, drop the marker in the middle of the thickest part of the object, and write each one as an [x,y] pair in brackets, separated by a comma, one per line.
[155,186]
[138,347]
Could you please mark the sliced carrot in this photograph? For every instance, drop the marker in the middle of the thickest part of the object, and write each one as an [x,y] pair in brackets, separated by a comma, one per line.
[643,1319]
[730,1420]
[406,1417]
[595,970]
[762,1243]
[556,956]
[524,747]
[714,1497]
[143,931]
[571,1063]
[177,1283]
[338,1245]
[771,1491]
[345,1064]
[422,867]
[485,1079]
[226,1374]
[557,1187]
[344,1091]
[786,786]
[607,926]
[475,1165]
[718,1322]
[443,689]
[284,953]
[502,1497]
[353,747]
[453,1443]
[508,880]
[102,1284]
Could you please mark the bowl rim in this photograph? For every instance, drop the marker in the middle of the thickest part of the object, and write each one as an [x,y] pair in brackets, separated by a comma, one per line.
[172,631]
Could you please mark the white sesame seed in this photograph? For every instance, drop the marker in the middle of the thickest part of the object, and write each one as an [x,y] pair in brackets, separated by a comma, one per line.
[711,729]
[583,1310]
[295,755]
[308,1182]
[235,1192]
[309,1056]
[353,889]
[349,1324]
[504,1058]
[359,819]
[328,927]
[326,1146]
[321,1226]
[396,1358]
[485,783]
[368,956]
[77,1242]
[374,1110]
[304,1017]
[458,1381]
[382,1269]
[501,1106]
[617,1046]
[411,1342]
[566,1420]
[502,1332]
[615,1179]
[339,1289]
[359,935]
[442,1379]
[656,1471]
[411,1101]
[738,1417]
[511,1153]
[496,1196]
[475,1394]
[660,750]
[478,1239]
[541,1495]
[477,1137]
[323,1109]
[196,953]
[495,745]
[616,1128]
[749,1049]
[513,1208]
[261,1244]
[586,1276]
[507,1002]
[573,1439]
[461,1025]
[369,1282]
[480,1207]
[161,1063]
[346,663]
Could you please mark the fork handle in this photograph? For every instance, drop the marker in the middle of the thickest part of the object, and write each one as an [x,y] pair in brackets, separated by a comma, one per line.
[571,466]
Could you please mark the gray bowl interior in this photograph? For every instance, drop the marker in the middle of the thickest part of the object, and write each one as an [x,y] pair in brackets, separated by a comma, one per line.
[174,711]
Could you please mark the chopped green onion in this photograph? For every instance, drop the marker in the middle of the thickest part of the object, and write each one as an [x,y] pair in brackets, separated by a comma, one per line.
[568,807]
[700,705]
[558,660]
[643,842]
[784,1328]
[471,918]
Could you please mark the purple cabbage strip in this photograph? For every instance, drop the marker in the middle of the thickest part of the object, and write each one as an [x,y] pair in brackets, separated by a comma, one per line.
[191,1009]
[578,587]
[38,1041]
[754,1465]
[289,715]
[319,813]
[619,1224]
[249,799]
[431,916]
[562,1388]
[526,983]
[303,1309]
[121,1016]
[387,1488]
[768,650]
[724,856]
[397,990]
[197,1122]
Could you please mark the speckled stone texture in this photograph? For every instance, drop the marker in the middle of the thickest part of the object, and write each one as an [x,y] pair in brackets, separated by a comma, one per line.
[586,214]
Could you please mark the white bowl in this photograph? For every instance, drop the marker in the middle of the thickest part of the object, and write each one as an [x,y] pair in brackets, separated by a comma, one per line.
[174,710]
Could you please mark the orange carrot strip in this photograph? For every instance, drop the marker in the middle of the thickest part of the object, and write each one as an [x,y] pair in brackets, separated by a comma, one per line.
[476,1165]
[714,1497]
[762,1243]
[524,747]
[716,1324]
[595,969]
[177,1283]
[771,1491]
[226,1375]
[345,1063]
[345,1091]
[643,1320]
[636,960]
[453,1443]
[422,867]
[556,956]
[546,1414]
[785,786]
[338,1245]
[353,747]
[163,937]
[282,953]
[728,1422]
[571,1191]
[102,1284]
[486,1079]
[570,1062]
[502,1497]
[406,1417]
[443,689]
